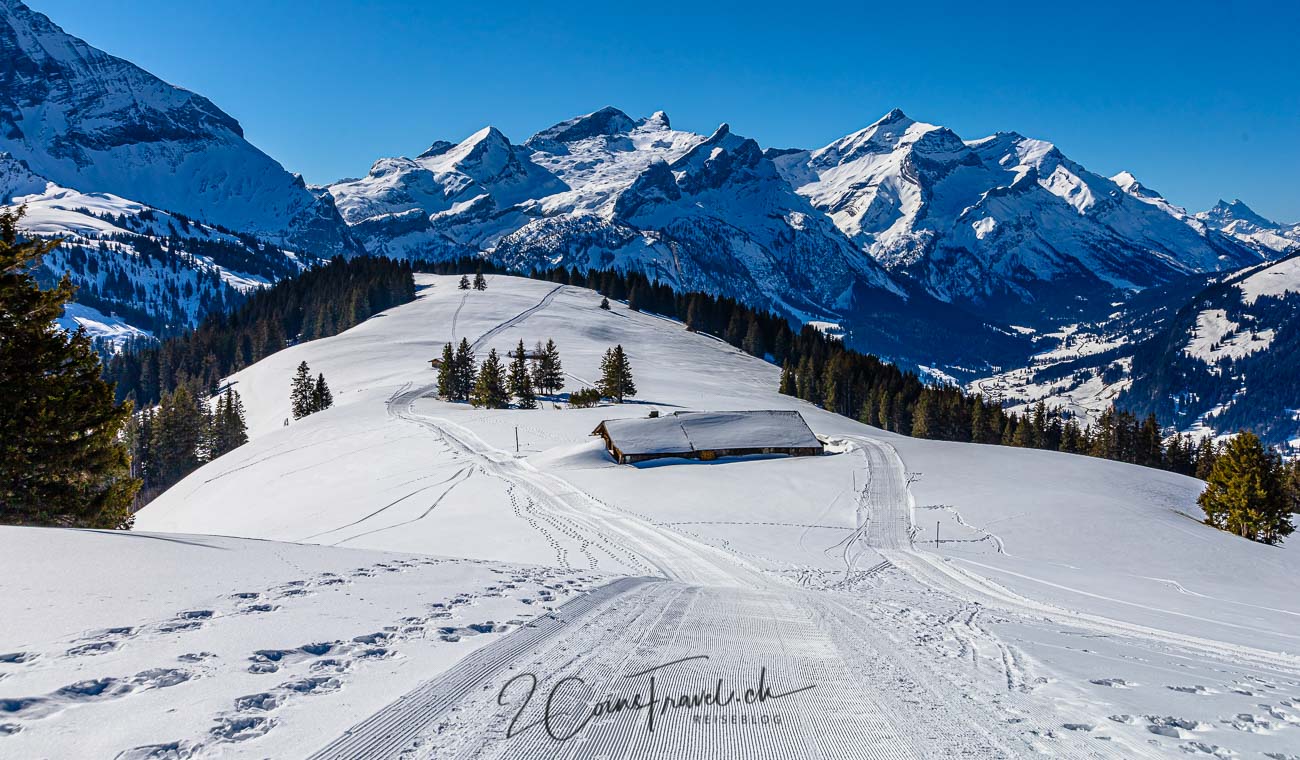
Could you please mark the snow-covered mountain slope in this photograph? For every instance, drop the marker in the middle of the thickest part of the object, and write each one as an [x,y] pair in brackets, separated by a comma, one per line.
[87,120]
[603,190]
[1228,358]
[138,270]
[1241,222]
[1100,588]
[996,219]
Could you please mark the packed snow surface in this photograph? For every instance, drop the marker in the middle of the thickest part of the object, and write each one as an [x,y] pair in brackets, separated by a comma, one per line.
[941,598]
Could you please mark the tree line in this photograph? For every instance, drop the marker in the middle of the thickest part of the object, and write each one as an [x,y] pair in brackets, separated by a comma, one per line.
[320,302]
[182,433]
[820,369]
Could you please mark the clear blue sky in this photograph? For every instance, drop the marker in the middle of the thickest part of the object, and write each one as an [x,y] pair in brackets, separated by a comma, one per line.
[1199,99]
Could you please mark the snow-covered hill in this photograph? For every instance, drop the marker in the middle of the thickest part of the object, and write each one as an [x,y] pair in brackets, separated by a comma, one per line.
[1068,599]
[87,120]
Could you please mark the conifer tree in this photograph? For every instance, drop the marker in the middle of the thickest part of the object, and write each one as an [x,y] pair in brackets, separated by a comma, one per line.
[1245,493]
[321,398]
[463,371]
[490,387]
[61,459]
[604,303]
[787,380]
[521,384]
[229,429]
[480,282]
[464,282]
[447,374]
[753,341]
[179,431]
[548,375]
[616,375]
[923,417]
[300,392]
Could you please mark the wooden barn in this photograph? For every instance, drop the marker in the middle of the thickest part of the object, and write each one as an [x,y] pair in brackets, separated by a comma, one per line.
[709,435]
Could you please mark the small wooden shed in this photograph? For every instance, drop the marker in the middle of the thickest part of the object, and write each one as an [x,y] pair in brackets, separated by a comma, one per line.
[709,435]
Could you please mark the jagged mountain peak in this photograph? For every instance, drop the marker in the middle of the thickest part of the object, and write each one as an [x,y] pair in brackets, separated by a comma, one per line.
[657,120]
[1225,212]
[606,121]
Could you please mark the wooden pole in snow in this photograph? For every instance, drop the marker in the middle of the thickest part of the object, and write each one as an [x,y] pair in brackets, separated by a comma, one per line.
[516,439]
[936,534]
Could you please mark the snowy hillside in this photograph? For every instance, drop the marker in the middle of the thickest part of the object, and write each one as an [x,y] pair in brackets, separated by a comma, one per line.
[1068,600]
[138,270]
[87,120]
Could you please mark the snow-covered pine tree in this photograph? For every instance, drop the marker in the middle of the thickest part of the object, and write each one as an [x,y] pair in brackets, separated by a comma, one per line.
[480,282]
[321,398]
[616,375]
[463,372]
[490,386]
[300,392]
[521,384]
[62,461]
[464,282]
[604,303]
[447,374]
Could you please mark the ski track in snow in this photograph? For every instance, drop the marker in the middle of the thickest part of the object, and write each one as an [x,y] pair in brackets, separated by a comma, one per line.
[909,654]
[834,640]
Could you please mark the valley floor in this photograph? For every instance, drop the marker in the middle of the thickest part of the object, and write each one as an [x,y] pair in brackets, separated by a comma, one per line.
[1068,607]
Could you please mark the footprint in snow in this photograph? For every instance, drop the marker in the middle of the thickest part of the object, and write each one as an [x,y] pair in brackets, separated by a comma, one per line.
[1114,683]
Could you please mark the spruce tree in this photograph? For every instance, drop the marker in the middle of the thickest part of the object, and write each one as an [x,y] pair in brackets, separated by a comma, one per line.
[753,342]
[229,429]
[62,461]
[300,392]
[179,431]
[604,304]
[447,374]
[490,387]
[924,421]
[521,384]
[1245,493]
[480,282]
[616,375]
[321,398]
[464,371]
[549,373]
[464,282]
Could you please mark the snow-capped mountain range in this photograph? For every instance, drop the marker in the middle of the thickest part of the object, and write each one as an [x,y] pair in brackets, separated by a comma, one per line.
[914,242]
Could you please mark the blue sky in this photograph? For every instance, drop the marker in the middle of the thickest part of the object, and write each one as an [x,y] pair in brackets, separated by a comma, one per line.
[1200,100]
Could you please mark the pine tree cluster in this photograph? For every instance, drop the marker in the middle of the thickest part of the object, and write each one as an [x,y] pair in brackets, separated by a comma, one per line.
[307,396]
[181,434]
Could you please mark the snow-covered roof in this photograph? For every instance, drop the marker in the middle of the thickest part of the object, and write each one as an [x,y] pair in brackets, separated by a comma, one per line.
[686,432]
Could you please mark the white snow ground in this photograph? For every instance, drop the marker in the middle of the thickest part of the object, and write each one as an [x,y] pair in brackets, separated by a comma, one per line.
[1072,607]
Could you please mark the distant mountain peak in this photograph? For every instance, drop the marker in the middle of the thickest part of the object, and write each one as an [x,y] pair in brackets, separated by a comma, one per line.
[437,148]
[607,121]
[1225,212]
